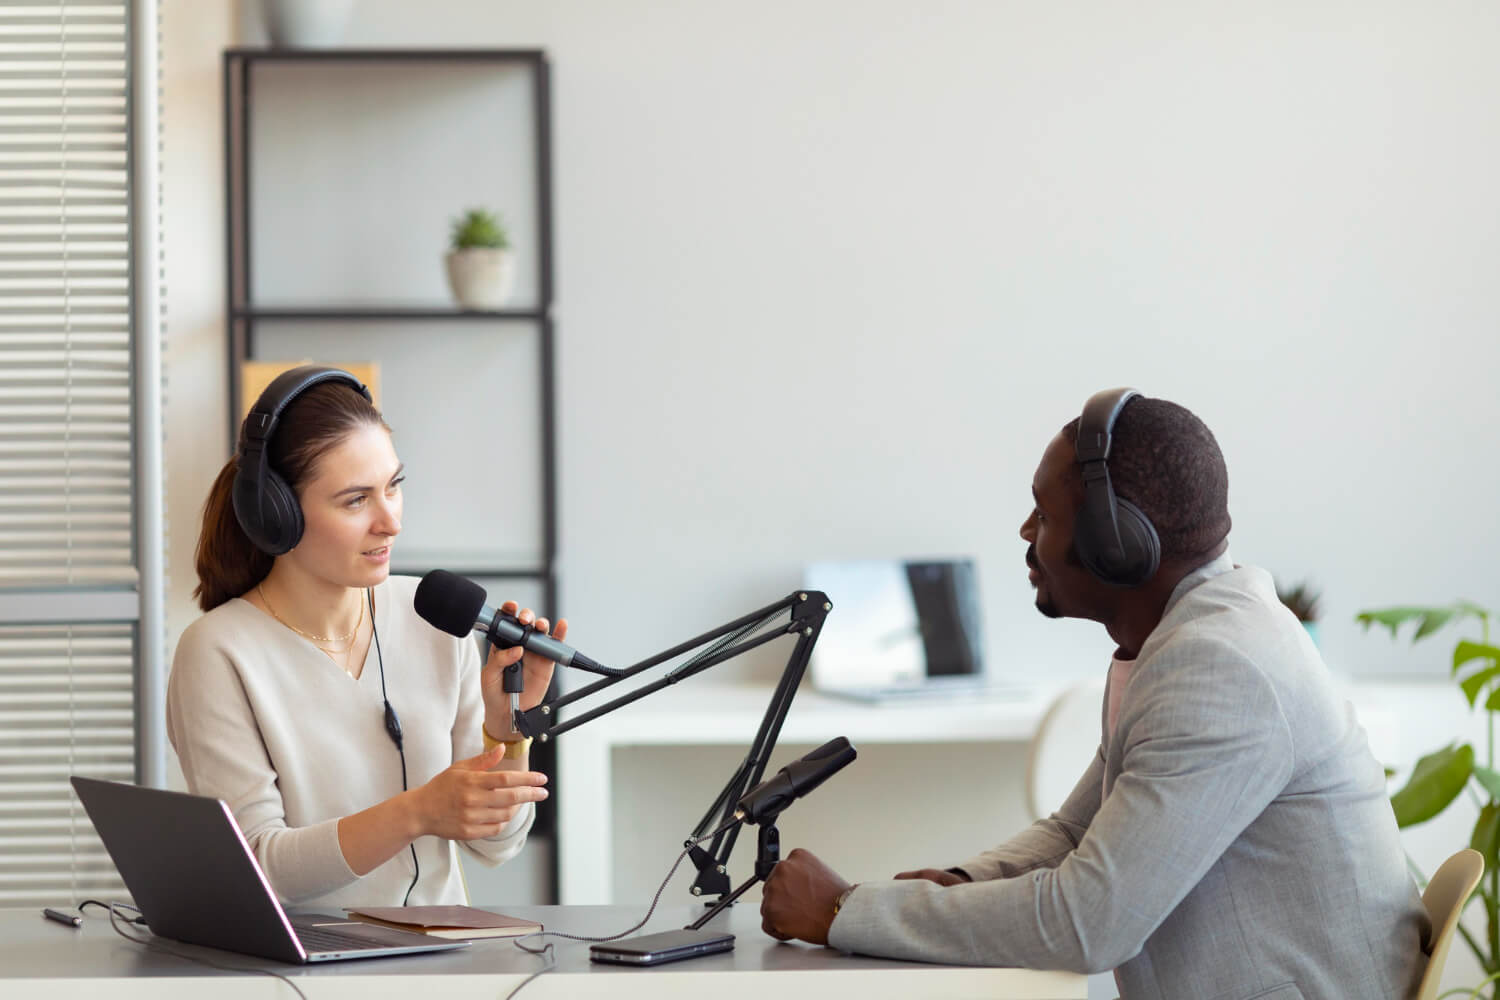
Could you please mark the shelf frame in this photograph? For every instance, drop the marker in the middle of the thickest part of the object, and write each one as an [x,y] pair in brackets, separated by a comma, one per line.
[239,68]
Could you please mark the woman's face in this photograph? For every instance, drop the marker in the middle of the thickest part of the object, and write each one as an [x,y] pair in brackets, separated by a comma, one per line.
[351,511]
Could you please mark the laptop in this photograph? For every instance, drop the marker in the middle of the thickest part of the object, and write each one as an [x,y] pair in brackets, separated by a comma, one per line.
[903,630]
[196,880]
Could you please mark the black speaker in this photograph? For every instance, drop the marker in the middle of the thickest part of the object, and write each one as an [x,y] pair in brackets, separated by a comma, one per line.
[1113,538]
[264,504]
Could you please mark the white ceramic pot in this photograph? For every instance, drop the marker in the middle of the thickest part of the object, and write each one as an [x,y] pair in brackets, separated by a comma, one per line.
[306,24]
[481,278]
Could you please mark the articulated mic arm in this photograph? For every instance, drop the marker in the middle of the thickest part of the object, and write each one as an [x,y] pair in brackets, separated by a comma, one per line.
[808,609]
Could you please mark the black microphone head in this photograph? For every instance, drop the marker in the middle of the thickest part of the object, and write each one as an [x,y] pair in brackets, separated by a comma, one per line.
[449,602]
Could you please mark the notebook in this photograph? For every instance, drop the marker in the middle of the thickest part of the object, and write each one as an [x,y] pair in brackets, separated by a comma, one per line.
[196,880]
[456,922]
[902,630]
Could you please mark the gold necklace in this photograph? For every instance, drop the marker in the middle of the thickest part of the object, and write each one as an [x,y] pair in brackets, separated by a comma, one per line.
[316,639]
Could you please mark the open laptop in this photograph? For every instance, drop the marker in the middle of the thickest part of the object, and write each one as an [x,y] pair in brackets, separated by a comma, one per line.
[195,879]
[904,630]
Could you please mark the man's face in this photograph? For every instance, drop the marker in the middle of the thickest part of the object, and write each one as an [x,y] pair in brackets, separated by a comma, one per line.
[1064,588]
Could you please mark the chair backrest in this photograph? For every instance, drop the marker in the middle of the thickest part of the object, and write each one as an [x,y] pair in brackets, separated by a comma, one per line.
[1445,898]
[1063,747]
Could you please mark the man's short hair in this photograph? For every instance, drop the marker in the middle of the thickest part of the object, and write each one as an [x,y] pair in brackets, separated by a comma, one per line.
[1165,461]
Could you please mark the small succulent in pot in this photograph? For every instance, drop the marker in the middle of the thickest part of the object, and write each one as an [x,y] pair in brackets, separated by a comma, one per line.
[1301,600]
[480,262]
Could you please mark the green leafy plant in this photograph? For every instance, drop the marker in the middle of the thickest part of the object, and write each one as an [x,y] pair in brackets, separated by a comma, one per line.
[477,228]
[1301,600]
[1442,776]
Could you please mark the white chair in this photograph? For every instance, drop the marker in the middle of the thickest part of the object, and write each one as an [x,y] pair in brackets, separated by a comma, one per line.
[1063,746]
[1445,898]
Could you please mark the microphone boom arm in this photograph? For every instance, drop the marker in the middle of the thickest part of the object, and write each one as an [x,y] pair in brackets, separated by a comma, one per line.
[808,610]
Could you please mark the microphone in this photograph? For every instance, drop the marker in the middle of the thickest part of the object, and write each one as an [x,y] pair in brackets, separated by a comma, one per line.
[456,605]
[767,799]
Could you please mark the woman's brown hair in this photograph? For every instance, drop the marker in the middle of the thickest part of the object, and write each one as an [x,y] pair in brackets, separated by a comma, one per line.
[315,423]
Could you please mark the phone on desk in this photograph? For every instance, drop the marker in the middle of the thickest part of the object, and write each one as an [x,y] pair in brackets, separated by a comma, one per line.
[668,946]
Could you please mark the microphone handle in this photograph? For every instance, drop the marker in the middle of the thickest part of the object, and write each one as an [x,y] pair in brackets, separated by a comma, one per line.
[505,633]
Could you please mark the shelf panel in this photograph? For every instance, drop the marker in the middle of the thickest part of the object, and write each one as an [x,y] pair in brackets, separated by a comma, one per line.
[467,564]
[386,313]
[351,196]
[258,54]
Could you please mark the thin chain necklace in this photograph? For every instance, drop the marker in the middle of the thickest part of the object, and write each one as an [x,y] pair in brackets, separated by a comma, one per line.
[316,639]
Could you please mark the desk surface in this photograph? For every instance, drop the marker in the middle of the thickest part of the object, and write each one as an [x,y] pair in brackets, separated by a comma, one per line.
[41,958]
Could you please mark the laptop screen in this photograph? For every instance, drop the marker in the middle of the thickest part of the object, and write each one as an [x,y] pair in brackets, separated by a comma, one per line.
[896,623]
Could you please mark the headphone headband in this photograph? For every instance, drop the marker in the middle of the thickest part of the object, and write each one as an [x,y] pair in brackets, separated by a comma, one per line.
[264,504]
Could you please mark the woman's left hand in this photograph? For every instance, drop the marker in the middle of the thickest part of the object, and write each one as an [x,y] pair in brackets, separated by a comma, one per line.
[536,669]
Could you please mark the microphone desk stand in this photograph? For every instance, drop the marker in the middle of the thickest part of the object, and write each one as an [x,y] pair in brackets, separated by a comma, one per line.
[808,609]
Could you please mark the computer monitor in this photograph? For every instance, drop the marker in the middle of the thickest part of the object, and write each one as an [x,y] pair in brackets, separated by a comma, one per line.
[898,624]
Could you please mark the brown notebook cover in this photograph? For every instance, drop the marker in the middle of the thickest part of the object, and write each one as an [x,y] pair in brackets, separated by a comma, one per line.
[457,922]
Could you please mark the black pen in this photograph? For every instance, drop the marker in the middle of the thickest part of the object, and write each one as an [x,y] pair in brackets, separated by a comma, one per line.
[71,919]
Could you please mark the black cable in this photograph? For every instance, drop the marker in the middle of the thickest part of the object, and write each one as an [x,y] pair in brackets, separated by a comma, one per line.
[393,727]
[137,919]
[546,951]
[156,944]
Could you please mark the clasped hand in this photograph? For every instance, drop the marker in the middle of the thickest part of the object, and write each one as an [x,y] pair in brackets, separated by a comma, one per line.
[798,898]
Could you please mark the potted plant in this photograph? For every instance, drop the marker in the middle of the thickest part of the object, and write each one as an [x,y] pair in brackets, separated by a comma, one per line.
[1302,601]
[1442,776]
[481,266]
[306,24]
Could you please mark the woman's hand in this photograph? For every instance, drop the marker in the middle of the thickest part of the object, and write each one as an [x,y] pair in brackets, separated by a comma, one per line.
[536,671]
[469,801]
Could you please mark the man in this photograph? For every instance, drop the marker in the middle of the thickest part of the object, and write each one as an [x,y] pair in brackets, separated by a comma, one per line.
[1232,838]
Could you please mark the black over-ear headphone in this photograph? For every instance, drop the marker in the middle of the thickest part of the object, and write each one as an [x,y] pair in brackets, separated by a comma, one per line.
[264,504]
[1113,538]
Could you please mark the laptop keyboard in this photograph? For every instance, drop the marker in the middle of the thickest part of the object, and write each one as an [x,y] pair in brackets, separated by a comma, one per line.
[318,939]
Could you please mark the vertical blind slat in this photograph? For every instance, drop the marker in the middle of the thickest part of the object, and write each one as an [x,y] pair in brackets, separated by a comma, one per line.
[67,504]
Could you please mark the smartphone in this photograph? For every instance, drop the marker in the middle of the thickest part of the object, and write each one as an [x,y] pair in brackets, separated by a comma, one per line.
[668,946]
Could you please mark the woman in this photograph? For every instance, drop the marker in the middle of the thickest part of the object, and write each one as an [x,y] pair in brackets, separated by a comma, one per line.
[283,695]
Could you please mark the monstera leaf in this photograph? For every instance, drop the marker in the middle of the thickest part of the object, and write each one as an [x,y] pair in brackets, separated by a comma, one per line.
[1436,781]
[1429,619]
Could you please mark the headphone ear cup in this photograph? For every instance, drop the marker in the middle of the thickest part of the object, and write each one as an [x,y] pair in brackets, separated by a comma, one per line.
[1142,546]
[1139,554]
[270,515]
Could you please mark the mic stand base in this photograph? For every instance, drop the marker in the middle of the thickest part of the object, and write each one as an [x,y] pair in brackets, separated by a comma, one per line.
[768,852]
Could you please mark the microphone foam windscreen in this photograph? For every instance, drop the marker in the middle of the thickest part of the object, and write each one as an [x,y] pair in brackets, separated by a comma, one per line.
[449,602]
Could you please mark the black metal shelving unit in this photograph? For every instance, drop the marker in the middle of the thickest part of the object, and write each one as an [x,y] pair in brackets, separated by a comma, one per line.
[240,68]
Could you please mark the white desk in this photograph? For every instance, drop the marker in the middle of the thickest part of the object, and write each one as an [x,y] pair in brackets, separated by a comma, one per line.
[708,715]
[39,958]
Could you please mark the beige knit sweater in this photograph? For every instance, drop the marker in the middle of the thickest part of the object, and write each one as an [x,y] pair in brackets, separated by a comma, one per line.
[265,721]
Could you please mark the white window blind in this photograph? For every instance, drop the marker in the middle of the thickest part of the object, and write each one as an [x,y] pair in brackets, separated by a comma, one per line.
[69,608]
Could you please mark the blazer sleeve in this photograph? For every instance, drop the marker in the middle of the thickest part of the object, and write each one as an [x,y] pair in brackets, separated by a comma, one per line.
[1046,842]
[1206,750]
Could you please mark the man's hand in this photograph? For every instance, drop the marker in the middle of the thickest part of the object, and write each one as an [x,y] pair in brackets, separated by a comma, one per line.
[937,875]
[798,898]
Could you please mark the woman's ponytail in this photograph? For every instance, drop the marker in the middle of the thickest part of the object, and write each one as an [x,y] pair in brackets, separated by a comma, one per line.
[228,564]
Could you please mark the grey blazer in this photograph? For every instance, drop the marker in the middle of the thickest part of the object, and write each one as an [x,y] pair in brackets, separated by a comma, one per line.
[1232,840]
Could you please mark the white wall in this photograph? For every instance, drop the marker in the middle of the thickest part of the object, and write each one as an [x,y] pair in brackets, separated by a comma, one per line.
[831,273]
